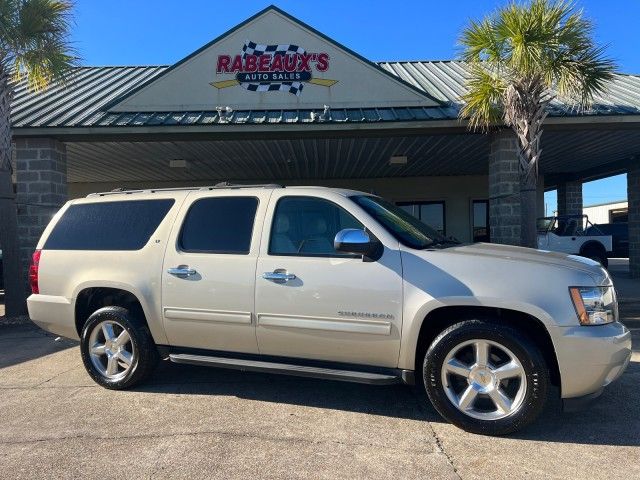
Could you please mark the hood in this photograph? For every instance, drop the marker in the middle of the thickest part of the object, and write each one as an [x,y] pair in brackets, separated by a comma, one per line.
[521,254]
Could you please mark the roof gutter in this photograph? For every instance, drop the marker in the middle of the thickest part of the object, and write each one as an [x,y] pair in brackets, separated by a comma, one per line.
[275,130]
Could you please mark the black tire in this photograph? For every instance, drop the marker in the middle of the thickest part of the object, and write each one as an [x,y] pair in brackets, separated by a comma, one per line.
[596,252]
[528,354]
[145,355]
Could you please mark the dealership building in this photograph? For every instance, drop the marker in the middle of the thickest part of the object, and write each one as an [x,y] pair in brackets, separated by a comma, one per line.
[274,100]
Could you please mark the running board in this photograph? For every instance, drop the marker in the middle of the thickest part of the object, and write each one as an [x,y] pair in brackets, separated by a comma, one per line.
[287,369]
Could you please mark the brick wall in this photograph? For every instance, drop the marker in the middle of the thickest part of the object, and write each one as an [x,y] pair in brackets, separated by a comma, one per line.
[633,195]
[570,198]
[41,177]
[504,189]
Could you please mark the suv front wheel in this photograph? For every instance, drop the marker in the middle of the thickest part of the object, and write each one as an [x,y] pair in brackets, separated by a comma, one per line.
[117,349]
[485,377]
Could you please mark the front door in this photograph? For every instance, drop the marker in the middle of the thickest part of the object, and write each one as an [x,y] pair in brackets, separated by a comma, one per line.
[208,276]
[338,307]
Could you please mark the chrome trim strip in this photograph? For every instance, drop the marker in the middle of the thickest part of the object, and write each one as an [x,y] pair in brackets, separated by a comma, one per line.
[220,316]
[327,324]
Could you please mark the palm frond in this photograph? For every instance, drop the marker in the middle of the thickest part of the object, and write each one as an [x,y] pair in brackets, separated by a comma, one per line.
[546,43]
[34,39]
[480,42]
[483,100]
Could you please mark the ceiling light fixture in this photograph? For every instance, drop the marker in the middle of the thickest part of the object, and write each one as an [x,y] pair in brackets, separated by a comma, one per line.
[398,160]
[177,163]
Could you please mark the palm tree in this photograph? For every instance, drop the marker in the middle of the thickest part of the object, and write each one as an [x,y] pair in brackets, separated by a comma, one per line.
[521,58]
[34,46]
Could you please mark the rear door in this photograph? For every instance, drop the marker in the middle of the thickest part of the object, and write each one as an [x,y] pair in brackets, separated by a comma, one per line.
[208,276]
[338,307]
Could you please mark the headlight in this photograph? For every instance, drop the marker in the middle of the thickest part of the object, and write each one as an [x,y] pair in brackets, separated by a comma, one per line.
[595,305]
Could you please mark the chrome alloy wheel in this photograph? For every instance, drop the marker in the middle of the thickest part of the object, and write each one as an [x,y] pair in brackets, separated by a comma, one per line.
[484,379]
[111,350]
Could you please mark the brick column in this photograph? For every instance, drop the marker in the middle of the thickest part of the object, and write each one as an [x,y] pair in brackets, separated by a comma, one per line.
[633,196]
[504,189]
[570,198]
[41,177]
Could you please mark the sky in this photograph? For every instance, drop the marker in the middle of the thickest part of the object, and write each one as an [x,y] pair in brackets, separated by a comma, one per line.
[161,32]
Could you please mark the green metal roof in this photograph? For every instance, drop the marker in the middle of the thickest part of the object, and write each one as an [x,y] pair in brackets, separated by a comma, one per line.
[83,100]
[445,81]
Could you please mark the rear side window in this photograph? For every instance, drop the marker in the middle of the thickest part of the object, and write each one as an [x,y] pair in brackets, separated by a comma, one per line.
[219,225]
[125,225]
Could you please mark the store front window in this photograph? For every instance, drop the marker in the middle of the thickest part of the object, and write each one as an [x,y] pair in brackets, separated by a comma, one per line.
[431,213]
[619,215]
[480,220]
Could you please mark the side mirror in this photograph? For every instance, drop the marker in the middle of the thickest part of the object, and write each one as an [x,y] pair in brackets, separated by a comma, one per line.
[352,240]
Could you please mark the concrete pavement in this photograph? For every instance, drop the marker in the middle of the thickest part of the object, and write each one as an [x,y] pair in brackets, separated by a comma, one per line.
[206,423]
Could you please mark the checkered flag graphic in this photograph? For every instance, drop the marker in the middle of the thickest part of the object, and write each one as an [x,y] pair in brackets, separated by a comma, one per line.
[252,48]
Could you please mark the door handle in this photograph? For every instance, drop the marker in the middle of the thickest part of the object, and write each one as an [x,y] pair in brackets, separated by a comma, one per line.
[280,276]
[182,271]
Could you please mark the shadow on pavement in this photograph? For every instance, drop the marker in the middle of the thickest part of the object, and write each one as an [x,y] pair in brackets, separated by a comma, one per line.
[398,401]
[21,340]
[612,420]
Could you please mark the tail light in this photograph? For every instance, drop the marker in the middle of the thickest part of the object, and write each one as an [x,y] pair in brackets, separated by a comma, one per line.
[33,272]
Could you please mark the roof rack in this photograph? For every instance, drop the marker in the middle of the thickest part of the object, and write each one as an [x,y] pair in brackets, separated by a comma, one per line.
[217,186]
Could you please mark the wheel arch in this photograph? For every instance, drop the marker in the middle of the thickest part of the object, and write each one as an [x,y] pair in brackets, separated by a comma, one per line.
[593,244]
[438,319]
[90,299]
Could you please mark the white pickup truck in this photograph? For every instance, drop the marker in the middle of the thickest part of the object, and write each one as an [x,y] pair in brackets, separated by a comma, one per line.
[574,234]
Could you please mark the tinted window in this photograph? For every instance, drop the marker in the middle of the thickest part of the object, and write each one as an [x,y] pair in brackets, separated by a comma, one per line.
[431,213]
[219,225]
[307,226]
[125,225]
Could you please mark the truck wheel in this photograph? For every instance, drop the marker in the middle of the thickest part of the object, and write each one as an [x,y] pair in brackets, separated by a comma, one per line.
[117,349]
[485,377]
[597,253]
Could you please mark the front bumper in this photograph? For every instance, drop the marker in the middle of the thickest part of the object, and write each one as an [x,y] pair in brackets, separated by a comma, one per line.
[576,404]
[590,358]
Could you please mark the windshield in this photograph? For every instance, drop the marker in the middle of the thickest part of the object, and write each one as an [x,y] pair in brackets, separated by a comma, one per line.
[564,225]
[544,224]
[402,225]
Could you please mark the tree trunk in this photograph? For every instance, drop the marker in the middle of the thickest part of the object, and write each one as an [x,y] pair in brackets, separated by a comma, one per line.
[529,212]
[529,154]
[526,104]
[13,275]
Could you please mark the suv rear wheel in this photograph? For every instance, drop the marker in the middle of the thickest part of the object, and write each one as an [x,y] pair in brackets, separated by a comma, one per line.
[485,377]
[117,349]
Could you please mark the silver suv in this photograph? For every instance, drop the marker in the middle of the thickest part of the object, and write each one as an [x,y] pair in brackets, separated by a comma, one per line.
[326,283]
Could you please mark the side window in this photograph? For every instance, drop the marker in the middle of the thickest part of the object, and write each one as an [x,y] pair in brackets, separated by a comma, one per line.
[108,225]
[307,226]
[219,225]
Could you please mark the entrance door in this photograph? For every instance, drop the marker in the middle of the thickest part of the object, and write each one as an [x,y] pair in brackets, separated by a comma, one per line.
[326,305]
[208,277]
[480,221]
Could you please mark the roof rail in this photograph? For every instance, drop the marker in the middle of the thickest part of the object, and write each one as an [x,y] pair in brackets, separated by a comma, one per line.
[217,186]
[240,185]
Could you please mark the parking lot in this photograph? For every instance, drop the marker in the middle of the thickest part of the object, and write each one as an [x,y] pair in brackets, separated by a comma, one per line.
[206,423]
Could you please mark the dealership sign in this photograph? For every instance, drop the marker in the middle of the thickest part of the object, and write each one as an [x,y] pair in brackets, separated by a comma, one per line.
[273,68]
